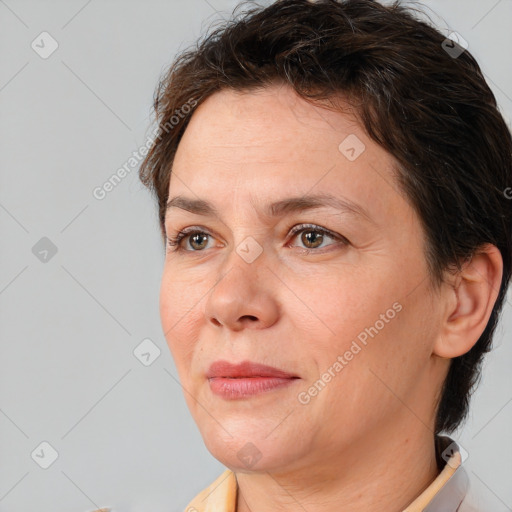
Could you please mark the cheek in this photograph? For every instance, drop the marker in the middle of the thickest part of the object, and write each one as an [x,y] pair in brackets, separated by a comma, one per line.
[359,316]
[340,304]
[177,314]
[168,312]
[167,306]
[180,294]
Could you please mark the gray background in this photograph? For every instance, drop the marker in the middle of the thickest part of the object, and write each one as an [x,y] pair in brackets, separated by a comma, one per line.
[70,324]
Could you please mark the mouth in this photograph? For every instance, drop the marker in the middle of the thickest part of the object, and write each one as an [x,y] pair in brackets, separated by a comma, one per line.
[246,379]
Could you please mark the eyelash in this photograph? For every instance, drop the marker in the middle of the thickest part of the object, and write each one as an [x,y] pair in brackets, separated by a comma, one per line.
[175,242]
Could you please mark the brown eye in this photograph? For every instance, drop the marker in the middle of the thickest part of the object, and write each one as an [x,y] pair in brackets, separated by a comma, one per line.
[191,240]
[312,238]
[201,239]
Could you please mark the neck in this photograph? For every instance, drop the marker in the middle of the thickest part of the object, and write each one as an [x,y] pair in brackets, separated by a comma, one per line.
[386,471]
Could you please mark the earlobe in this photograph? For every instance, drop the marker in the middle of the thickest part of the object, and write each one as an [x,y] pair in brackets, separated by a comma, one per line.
[470,300]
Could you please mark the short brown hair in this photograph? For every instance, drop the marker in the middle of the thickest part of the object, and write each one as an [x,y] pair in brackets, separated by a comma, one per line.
[429,107]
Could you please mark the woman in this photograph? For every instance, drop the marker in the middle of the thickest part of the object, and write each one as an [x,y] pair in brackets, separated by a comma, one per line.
[338,250]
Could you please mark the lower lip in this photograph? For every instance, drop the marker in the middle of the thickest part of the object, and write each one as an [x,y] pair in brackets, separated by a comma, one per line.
[232,389]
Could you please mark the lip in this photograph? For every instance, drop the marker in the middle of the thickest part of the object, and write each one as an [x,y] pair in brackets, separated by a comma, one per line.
[245,369]
[245,379]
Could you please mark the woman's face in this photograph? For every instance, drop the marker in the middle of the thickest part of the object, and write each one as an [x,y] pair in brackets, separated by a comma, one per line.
[355,315]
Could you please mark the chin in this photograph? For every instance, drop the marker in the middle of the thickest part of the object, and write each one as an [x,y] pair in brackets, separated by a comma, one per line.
[249,447]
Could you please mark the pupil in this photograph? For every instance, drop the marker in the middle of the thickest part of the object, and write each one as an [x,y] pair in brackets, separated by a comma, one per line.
[195,237]
[311,235]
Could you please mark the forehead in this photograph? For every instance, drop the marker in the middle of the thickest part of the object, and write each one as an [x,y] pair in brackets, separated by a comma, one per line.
[257,145]
[275,117]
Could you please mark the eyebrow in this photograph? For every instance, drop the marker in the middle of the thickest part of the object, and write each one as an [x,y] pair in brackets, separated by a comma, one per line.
[277,209]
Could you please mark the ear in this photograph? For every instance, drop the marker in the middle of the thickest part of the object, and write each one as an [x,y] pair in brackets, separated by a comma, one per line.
[470,299]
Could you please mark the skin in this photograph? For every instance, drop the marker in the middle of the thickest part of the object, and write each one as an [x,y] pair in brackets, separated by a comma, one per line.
[365,442]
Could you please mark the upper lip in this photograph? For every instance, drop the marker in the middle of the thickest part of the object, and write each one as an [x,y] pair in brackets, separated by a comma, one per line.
[245,369]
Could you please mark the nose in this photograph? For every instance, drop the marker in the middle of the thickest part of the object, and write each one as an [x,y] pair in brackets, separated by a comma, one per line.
[245,296]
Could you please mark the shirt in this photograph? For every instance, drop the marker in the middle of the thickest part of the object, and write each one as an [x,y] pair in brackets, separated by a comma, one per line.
[447,493]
